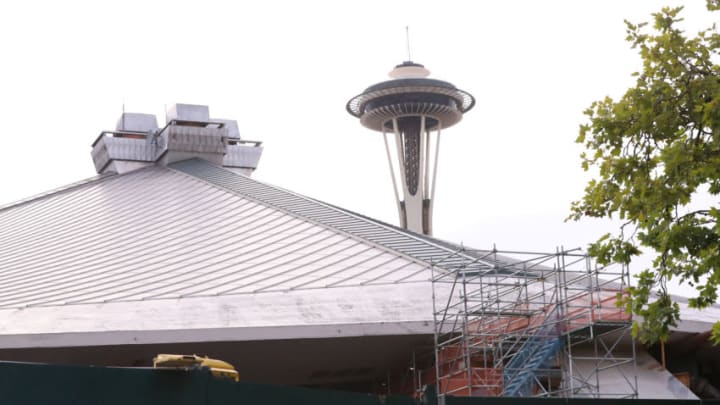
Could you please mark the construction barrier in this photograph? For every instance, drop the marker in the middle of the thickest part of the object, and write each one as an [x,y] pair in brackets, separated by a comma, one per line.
[36,384]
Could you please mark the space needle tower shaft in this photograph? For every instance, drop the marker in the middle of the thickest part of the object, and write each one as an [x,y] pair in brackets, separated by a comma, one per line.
[411,111]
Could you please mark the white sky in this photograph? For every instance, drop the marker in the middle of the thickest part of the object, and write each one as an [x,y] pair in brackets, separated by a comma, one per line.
[285,69]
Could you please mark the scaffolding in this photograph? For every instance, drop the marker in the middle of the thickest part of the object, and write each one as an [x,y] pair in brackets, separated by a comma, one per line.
[531,324]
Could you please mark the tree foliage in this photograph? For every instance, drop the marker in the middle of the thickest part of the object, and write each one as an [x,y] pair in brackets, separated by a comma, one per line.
[655,151]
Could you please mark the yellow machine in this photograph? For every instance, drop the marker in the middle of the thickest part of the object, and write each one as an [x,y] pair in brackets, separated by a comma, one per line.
[218,368]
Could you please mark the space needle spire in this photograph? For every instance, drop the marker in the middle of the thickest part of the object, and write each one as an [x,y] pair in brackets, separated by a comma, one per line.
[413,109]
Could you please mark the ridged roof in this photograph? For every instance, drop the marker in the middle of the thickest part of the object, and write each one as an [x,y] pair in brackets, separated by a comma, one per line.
[191,230]
[194,247]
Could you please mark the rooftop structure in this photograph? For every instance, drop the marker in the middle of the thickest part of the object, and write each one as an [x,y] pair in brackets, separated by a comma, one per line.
[137,141]
[415,109]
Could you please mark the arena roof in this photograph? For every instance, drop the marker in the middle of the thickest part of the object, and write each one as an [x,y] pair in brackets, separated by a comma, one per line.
[192,251]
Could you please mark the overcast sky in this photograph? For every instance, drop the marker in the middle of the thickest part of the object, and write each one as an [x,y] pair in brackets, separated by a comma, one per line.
[285,69]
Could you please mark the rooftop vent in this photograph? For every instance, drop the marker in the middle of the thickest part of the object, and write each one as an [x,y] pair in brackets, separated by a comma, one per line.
[137,141]
[137,122]
[187,112]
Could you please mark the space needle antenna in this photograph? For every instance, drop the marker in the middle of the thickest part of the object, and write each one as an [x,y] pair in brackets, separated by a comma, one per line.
[407,41]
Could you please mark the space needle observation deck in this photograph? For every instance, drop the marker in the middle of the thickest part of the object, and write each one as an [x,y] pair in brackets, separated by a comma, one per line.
[415,109]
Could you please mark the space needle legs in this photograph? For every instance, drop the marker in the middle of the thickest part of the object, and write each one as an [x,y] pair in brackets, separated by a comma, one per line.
[413,155]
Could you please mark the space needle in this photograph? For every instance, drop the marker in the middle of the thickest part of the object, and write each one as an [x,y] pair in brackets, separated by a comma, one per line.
[415,109]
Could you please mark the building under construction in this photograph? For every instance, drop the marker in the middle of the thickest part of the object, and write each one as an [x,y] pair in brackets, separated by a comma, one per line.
[173,248]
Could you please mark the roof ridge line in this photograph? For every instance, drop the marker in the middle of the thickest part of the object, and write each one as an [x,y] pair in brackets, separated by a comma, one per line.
[425,238]
[359,217]
[289,212]
[58,190]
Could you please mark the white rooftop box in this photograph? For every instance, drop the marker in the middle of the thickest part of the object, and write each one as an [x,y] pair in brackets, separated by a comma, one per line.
[137,122]
[231,125]
[188,112]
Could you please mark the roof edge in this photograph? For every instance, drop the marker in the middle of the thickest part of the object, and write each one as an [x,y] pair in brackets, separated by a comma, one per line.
[58,190]
[237,334]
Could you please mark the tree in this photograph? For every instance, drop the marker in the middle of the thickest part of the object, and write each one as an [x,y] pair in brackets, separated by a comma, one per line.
[656,151]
